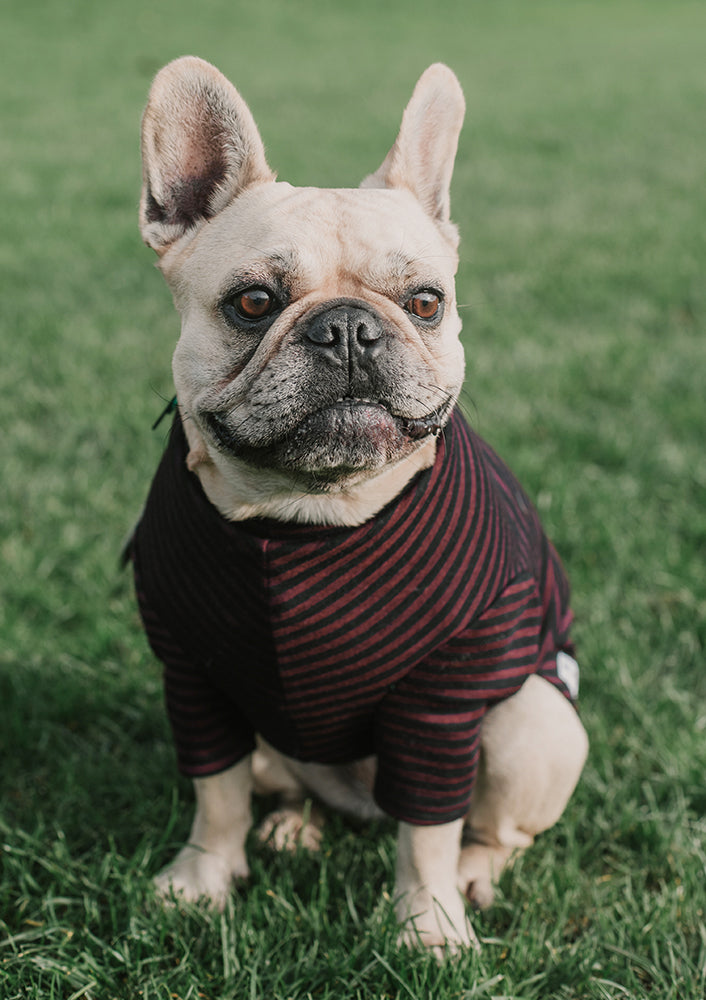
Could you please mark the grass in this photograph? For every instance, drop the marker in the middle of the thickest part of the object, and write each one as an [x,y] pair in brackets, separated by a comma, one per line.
[579,192]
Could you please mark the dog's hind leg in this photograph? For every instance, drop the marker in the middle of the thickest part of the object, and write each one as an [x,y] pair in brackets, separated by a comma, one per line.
[533,748]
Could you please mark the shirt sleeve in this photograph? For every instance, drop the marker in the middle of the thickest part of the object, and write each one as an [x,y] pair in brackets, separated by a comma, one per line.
[210,733]
[428,728]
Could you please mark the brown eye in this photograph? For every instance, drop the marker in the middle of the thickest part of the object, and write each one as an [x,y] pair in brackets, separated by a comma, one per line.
[424,305]
[253,303]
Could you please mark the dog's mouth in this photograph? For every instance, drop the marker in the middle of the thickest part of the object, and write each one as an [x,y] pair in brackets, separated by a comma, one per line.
[344,437]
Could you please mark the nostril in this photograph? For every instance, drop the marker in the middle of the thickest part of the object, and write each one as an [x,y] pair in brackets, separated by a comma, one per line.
[367,333]
[324,333]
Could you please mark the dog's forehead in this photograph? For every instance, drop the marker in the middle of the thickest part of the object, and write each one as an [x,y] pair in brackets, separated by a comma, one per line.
[318,235]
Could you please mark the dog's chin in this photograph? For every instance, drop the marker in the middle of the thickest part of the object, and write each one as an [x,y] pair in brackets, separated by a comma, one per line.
[333,445]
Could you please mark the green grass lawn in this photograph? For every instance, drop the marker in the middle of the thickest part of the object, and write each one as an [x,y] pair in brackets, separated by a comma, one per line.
[581,196]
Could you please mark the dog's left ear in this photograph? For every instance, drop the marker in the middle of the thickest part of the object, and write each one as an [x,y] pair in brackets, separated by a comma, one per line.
[200,149]
[422,157]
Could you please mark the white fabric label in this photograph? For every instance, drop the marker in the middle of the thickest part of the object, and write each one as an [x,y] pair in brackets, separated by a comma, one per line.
[568,670]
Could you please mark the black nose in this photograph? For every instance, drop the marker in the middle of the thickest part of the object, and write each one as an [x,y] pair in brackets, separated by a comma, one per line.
[346,333]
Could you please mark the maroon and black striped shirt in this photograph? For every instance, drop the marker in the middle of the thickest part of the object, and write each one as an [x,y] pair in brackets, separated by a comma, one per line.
[334,643]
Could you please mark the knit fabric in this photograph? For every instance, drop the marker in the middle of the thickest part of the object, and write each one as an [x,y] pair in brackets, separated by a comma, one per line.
[390,638]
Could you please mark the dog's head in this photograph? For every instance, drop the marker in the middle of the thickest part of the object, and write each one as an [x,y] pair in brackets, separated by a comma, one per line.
[319,344]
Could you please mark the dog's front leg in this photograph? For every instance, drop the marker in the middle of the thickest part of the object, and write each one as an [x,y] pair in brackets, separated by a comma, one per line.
[214,857]
[427,900]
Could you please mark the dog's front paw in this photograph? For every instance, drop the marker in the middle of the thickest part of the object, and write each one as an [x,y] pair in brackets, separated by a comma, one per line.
[441,927]
[196,874]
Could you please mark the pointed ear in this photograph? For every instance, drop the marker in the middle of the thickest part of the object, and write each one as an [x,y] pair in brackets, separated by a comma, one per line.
[200,148]
[422,157]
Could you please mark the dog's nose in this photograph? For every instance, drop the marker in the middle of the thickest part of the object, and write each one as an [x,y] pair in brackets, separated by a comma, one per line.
[346,332]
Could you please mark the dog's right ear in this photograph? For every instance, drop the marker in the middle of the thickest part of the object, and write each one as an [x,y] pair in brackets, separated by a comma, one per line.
[200,148]
[422,157]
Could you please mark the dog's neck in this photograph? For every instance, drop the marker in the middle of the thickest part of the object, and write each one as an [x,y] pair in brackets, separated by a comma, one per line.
[240,493]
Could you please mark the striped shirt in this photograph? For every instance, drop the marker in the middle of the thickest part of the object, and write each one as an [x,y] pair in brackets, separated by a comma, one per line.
[390,638]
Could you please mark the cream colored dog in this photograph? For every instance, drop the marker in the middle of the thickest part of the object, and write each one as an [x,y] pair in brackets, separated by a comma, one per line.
[318,366]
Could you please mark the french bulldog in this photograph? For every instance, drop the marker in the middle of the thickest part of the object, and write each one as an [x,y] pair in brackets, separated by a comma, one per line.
[351,595]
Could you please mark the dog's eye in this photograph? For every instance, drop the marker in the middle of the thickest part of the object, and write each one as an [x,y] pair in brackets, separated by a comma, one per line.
[424,305]
[250,305]
[253,303]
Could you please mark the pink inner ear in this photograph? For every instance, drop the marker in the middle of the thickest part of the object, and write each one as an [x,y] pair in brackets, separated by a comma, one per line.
[191,176]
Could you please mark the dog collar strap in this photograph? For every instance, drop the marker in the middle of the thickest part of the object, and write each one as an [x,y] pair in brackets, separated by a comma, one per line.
[169,408]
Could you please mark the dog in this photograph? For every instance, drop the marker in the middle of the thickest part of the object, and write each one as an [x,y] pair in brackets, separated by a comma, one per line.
[352,596]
